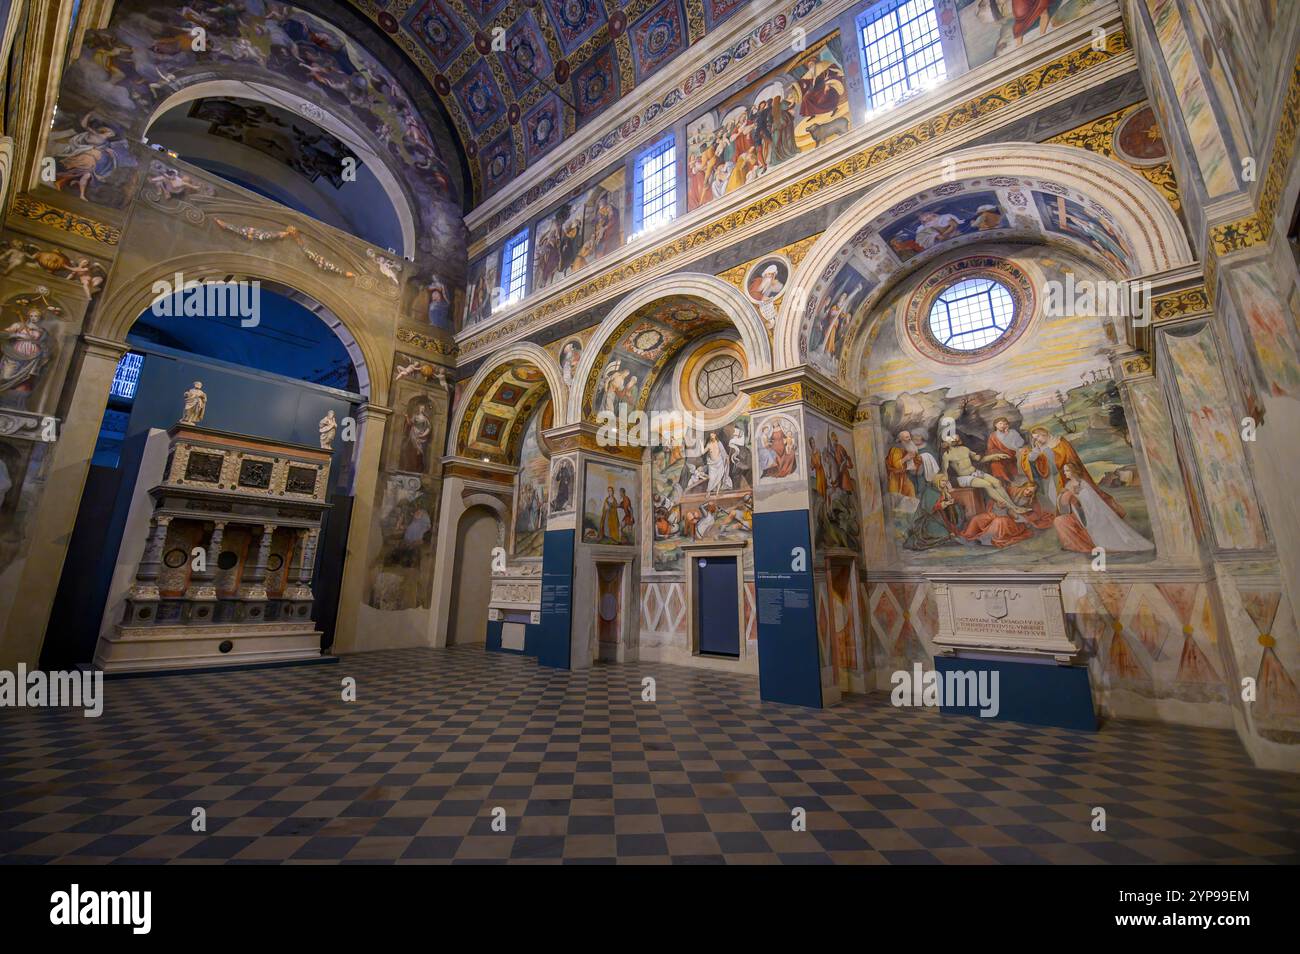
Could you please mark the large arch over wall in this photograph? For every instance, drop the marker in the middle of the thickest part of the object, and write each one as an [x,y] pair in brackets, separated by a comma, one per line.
[349,87]
[525,352]
[1156,237]
[728,299]
[332,121]
[371,348]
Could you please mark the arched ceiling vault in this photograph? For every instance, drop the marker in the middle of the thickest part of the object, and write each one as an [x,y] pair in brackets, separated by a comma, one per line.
[494,410]
[554,67]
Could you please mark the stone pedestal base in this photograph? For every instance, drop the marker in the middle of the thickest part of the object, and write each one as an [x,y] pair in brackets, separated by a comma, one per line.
[153,648]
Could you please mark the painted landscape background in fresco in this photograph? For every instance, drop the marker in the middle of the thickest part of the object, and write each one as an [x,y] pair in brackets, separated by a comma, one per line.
[702,490]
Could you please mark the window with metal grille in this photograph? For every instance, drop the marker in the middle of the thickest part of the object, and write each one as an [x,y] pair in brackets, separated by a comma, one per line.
[127,376]
[655,198]
[715,385]
[972,314]
[901,49]
[514,268]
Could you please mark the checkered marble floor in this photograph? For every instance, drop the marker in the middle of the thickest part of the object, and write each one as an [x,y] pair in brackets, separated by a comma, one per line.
[586,772]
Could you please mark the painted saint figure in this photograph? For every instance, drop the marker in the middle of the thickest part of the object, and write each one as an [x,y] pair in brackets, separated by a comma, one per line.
[1003,446]
[610,519]
[962,460]
[718,462]
[842,463]
[628,520]
[563,479]
[780,450]
[26,352]
[415,446]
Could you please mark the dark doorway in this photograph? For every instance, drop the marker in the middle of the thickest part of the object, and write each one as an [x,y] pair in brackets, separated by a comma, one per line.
[609,610]
[716,600]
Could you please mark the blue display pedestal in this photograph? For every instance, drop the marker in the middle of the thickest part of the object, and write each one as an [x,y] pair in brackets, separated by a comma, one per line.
[550,641]
[788,662]
[1035,693]
[494,637]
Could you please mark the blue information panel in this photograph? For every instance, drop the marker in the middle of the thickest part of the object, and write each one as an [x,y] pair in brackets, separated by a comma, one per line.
[552,636]
[789,668]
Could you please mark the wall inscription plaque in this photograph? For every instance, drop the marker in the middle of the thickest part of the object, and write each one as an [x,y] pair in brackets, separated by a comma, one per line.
[1015,614]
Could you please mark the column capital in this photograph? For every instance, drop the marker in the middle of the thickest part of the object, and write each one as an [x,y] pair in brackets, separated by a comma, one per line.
[109,348]
[801,385]
[1174,295]
[585,436]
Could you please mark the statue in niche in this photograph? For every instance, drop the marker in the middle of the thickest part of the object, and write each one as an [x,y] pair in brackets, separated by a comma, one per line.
[329,426]
[196,404]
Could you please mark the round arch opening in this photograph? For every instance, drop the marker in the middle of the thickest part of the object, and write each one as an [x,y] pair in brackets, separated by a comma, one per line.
[285,148]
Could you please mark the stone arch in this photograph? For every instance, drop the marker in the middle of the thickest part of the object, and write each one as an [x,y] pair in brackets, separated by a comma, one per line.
[496,505]
[728,300]
[492,371]
[335,122]
[1151,227]
[371,349]
[241,48]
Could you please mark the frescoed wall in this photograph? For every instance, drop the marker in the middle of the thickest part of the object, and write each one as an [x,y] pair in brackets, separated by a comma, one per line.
[610,508]
[483,288]
[123,73]
[1215,435]
[702,490]
[930,223]
[1025,457]
[992,28]
[530,490]
[790,111]
[832,486]
[1211,151]
[579,232]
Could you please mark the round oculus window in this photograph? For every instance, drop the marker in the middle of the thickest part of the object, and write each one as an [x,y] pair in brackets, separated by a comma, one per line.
[716,383]
[969,309]
[972,314]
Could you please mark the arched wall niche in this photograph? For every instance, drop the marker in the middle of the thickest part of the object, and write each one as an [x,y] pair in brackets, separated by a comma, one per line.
[718,305]
[370,347]
[1055,381]
[499,400]
[145,59]
[1007,192]
[343,126]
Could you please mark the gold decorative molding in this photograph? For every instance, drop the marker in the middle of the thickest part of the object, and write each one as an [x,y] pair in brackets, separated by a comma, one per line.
[467,471]
[1187,301]
[63,220]
[1284,144]
[1138,365]
[805,392]
[924,133]
[1258,228]
[1234,236]
[587,440]
[776,396]
[1098,137]
[830,405]
[427,343]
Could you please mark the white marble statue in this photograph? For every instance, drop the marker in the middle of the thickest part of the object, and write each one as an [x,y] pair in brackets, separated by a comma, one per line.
[329,425]
[196,403]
